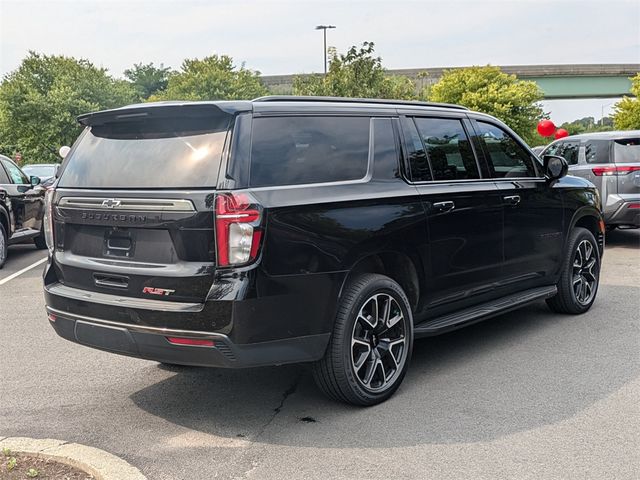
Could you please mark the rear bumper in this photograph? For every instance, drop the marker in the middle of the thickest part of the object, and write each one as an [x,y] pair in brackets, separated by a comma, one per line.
[151,343]
[624,215]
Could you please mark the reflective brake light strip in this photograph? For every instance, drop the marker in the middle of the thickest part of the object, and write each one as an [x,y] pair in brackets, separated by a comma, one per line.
[617,170]
[197,342]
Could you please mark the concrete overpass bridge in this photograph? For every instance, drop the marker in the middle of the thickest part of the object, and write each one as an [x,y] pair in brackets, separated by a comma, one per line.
[555,81]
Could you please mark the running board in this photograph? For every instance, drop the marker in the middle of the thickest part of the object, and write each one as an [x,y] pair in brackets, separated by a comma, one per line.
[478,313]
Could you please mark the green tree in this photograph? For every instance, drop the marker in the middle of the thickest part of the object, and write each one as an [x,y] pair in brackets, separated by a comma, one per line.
[212,78]
[627,110]
[148,79]
[358,73]
[39,103]
[489,90]
[587,125]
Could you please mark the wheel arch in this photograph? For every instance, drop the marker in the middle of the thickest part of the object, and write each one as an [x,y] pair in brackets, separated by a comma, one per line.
[394,264]
[4,220]
[591,219]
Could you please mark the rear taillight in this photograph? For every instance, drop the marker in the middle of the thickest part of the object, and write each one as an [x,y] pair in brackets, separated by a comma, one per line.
[238,219]
[48,220]
[634,206]
[611,171]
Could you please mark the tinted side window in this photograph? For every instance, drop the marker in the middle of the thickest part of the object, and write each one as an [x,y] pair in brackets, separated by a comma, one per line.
[15,173]
[569,150]
[418,163]
[4,179]
[597,151]
[552,149]
[299,150]
[505,156]
[448,149]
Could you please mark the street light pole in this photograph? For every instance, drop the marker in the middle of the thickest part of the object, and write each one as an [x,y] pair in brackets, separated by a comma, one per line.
[324,29]
[602,107]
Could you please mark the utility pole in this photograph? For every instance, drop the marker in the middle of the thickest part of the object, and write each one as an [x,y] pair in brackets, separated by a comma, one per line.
[324,29]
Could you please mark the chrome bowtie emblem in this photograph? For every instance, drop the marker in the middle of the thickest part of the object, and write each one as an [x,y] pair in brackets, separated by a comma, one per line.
[111,203]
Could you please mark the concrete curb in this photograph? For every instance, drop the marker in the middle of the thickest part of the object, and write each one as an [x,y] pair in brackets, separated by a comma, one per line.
[96,462]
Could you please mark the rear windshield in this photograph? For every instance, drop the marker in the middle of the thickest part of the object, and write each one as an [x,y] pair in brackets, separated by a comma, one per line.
[151,153]
[627,150]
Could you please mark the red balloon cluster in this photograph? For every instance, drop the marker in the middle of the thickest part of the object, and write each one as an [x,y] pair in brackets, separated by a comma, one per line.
[546,128]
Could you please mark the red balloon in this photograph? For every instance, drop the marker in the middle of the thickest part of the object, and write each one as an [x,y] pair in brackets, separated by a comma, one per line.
[546,128]
[561,133]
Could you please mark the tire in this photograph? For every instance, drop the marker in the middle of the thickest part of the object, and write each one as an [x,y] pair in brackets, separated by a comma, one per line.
[367,356]
[4,243]
[578,284]
[39,241]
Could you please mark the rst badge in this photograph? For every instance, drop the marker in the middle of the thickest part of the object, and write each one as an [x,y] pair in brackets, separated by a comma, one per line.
[157,291]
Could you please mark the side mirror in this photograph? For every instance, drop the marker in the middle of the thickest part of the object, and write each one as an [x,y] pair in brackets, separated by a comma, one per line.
[34,180]
[64,151]
[555,167]
[56,171]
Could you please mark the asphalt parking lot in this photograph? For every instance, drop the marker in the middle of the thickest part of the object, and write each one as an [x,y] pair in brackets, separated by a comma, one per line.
[528,395]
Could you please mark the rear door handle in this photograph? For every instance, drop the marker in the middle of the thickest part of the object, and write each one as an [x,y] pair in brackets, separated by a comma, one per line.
[442,207]
[512,199]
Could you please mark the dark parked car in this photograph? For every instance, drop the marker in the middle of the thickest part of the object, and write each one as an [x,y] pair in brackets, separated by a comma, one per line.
[611,161]
[21,208]
[330,231]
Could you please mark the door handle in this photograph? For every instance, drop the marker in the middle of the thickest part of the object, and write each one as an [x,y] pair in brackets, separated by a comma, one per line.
[512,199]
[441,207]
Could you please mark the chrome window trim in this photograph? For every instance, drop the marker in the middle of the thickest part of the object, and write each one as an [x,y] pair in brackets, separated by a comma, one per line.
[127,204]
[483,180]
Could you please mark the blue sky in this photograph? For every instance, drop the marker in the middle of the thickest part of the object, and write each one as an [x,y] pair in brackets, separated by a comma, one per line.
[279,37]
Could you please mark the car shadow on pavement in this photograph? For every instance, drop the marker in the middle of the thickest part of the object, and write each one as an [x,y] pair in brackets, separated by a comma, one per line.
[20,250]
[626,238]
[516,372]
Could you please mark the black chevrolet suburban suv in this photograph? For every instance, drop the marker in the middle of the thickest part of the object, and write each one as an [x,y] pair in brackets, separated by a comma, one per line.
[307,229]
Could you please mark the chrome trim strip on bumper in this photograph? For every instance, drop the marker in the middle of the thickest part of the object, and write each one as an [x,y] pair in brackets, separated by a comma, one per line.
[120,301]
[139,328]
[133,204]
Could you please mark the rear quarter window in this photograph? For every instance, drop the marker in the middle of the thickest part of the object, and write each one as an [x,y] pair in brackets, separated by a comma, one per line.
[297,150]
[627,150]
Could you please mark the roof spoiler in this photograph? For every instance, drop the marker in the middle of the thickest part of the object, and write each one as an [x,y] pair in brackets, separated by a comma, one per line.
[163,110]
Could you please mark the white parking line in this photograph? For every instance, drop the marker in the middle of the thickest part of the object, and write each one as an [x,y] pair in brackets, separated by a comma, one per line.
[20,272]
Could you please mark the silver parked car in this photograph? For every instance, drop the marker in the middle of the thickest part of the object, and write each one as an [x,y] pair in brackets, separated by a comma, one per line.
[610,160]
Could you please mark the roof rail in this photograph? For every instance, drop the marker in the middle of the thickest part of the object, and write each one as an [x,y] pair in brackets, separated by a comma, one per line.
[381,101]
